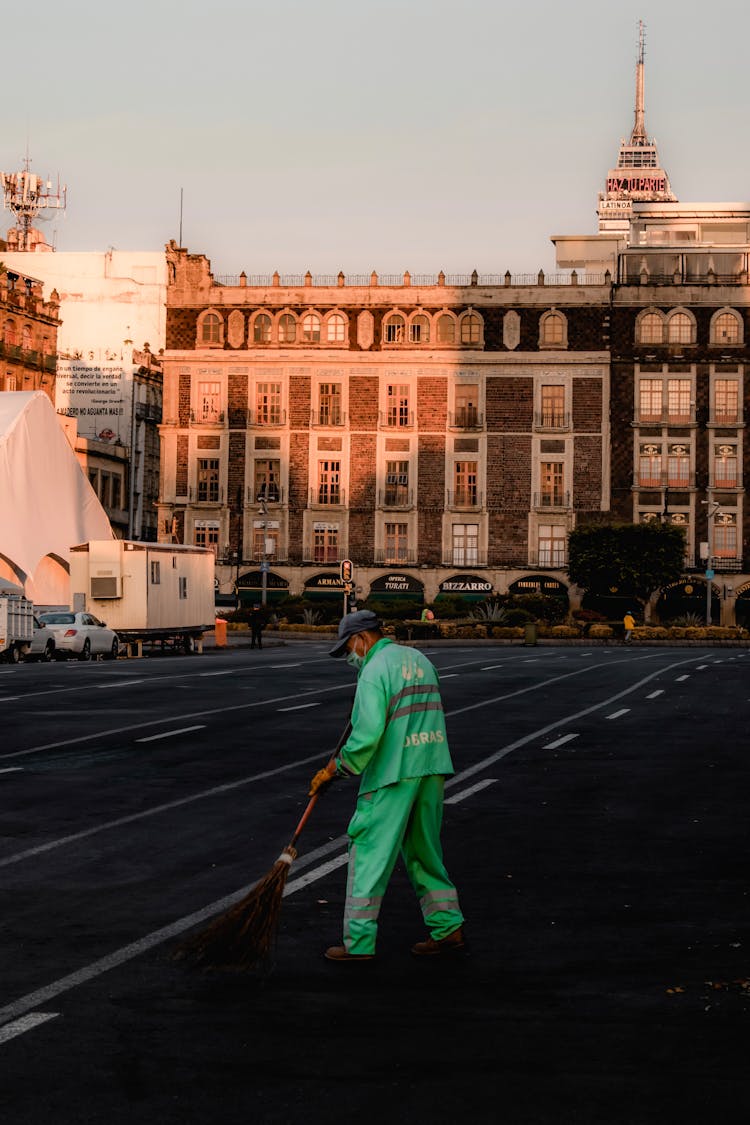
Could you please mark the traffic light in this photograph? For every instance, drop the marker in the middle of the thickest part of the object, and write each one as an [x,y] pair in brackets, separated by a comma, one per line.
[347,570]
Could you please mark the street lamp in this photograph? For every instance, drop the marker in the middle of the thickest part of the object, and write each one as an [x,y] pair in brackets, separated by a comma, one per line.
[263,563]
[712,507]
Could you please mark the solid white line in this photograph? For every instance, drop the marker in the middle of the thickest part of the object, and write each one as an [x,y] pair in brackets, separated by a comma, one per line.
[681,678]
[8,698]
[299,707]
[560,742]
[285,665]
[170,733]
[119,683]
[617,714]
[13,769]
[26,1023]
[229,672]
[454,800]
[316,873]
[490,667]
[653,695]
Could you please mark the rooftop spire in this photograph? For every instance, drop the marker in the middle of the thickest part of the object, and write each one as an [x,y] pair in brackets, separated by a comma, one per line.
[638,136]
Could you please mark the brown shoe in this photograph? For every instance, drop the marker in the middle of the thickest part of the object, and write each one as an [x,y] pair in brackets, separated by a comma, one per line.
[340,953]
[453,943]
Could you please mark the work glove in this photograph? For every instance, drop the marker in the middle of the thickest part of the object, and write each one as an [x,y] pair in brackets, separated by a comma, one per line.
[323,778]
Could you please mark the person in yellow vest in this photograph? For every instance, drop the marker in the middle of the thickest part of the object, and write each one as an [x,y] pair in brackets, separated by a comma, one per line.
[629,623]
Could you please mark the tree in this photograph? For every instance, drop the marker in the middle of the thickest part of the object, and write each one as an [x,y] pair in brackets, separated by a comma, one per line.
[635,559]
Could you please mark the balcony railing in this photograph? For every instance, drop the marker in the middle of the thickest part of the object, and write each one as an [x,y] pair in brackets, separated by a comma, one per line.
[323,556]
[269,494]
[396,419]
[553,559]
[656,480]
[466,419]
[213,496]
[552,421]
[396,497]
[398,556]
[664,417]
[325,418]
[266,419]
[207,417]
[725,418]
[464,558]
[326,497]
[547,500]
[727,482]
[464,498]
[727,563]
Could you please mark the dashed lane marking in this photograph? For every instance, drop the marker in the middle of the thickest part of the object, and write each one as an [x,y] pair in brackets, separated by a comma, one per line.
[489,667]
[119,683]
[228,672]
[679,679]
[448,676]
[560,741]
[171,733]
[653,695]
[299,665]
[26,1023]
[457,797]
[299,707]
[618,714]
[8,698]
[13,769]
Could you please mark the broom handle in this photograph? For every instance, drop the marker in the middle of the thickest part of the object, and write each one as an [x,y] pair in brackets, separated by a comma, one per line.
[311,803]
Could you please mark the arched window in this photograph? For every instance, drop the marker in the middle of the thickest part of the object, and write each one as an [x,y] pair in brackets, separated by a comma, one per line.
[726,328]
[419,329]
[262,329]
[553,330]
[26,337]
[446,329]
[9,332]
[287,329]
[211,329]
[651,328]
[394,328]
[336,329]
[471,328]
[311,328]
[679,329]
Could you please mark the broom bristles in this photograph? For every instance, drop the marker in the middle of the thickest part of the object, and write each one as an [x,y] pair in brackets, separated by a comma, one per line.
[242,938]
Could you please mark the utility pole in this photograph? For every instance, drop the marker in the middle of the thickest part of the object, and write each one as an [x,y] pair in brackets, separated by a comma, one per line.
[264,561]
[712,507]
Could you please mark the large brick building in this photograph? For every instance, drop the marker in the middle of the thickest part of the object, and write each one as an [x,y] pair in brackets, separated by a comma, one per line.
[28,341]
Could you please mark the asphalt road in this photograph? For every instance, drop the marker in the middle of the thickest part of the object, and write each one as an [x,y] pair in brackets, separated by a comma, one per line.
[596,829]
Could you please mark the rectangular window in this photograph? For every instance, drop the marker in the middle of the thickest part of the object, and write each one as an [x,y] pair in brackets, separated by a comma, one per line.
[465,478]
[265,542]
[465,544]
[553,407]
[650,400]
[183,587]
[678,468]
[551,545]
[725,541]
[396,543]
[155,572]
[467,404]
[266,480]
[268,404]
[726,402]
[208,480]
[678,401]
[326,544]
[649,468]
[105,493]
[396,482]
[725,467]
[397,410]
[551,474]
[209,401]
[329,400]
[207,535]
[329,482]
[116,492]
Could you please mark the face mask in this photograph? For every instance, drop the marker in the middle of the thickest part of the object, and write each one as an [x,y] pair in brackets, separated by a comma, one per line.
[354,660]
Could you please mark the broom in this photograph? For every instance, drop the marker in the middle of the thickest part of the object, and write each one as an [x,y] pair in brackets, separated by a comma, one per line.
[243,937]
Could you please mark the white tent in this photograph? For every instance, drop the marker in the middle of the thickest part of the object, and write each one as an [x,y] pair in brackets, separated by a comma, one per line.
[47,505]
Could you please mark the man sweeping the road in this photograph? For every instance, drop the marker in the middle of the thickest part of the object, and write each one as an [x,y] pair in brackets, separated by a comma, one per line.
[398,745]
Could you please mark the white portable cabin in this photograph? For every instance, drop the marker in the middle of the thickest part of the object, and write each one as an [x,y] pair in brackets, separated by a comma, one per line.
[156,590]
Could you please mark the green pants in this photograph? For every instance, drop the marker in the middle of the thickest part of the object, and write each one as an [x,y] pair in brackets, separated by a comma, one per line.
[406,818]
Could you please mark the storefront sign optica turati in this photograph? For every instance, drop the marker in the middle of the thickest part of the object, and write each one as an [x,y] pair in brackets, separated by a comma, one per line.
[466,584]
[397,584]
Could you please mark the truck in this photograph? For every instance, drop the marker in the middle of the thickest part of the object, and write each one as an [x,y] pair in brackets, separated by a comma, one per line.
[16,623]
[149,593]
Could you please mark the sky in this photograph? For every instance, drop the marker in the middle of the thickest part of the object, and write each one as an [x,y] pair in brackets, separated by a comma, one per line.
[364,134]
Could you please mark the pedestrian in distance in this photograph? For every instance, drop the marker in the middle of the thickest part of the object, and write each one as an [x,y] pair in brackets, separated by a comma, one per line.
[399,748]
[257,623]
[629,625]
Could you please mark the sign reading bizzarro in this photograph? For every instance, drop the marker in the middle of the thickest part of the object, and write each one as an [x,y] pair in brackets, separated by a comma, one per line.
[465,584]
[97,395]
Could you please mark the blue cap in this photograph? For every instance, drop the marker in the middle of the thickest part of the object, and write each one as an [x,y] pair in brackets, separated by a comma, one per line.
[353,623]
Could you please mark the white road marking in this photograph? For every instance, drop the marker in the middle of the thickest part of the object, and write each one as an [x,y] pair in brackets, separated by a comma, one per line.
[701,667]
[8,698]
[119,683]
[229,672]
[171,733]
[448,676]
[681,678]
[454,800]
[653,695]
[490,667]
[618,714]
[560,741]
[13,769]
[26,1023]
[299,665]
[299,707]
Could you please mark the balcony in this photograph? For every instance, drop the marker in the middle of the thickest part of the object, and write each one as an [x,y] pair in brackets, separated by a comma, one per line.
[552,559]
[551,501]
[656,481]
[726,563]
[326,496]
[213,497]
[396,419]
[466,418]
[398,556]
[321,419]
[645,419]
[729,418]
[463,498]
[726,482]
[552,421]
[396,496]
[269,494]
[322,555]
[464,558]
[266,419]
[207,418]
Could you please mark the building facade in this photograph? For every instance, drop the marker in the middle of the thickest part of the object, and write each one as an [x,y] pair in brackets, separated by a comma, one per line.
[28,343]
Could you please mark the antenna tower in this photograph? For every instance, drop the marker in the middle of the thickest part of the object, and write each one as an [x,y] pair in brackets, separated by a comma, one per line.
[27,195]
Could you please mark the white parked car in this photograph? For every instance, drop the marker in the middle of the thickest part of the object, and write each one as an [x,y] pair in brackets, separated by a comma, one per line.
[81,635]
[43,643]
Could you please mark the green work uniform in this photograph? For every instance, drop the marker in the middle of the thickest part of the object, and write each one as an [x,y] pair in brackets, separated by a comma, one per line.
[399,746]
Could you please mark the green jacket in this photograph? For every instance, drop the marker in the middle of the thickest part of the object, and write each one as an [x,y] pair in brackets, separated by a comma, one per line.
[398,725]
